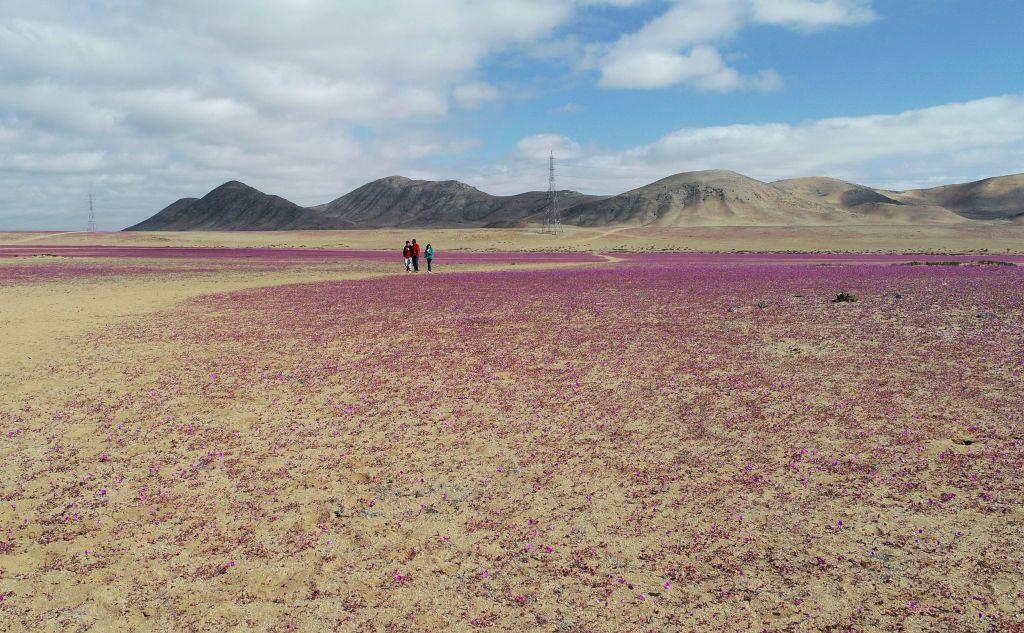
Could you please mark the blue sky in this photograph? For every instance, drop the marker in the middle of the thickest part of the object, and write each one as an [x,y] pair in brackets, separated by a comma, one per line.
[915,54]
[146,102]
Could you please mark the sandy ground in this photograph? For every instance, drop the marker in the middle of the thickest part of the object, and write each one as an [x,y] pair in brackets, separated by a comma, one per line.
[633,445]
[41,323]
[973,238]
[44,323]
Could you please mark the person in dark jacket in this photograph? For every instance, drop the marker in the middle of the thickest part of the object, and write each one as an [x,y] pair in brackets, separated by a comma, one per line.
[428,252]
[415,256]
[407,256]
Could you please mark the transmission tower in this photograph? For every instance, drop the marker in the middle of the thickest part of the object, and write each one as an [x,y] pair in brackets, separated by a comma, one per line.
[552,219]
[91,226]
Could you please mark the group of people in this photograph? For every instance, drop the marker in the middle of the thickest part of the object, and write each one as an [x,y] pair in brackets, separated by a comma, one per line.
[411,255]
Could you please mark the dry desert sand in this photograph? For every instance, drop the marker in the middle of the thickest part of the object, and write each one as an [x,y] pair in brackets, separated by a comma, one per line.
[972,237]
[631,442]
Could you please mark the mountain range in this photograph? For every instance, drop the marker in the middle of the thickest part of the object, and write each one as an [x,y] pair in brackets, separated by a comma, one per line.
[702,198]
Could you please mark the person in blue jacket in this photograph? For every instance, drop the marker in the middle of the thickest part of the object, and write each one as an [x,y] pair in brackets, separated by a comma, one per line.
[429,254]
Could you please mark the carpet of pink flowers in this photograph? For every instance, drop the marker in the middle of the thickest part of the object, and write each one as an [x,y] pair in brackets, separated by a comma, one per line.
[37,264]
[292,255]
[38,269]
[37,272]
[642,446]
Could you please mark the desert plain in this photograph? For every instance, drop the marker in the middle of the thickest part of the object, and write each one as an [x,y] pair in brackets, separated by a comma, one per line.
[603,430]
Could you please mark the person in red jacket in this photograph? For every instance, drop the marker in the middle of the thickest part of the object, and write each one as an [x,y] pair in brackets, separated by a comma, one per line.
[415,256]
[407,256]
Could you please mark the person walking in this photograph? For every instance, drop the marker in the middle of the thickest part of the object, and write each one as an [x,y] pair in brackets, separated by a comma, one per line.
[407,256]
[415,256]
[428,252]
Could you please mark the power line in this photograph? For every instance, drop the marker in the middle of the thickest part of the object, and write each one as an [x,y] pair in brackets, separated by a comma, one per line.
[552,219]
[91,226]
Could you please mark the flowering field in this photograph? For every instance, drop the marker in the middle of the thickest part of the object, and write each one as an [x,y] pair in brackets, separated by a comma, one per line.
[654,444]
[293,255]
[49,270]
[33,264]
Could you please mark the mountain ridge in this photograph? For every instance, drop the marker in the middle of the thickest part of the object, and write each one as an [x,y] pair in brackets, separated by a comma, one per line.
[396,201]
[233,206]
[865,204]
[699,198]
[995,198]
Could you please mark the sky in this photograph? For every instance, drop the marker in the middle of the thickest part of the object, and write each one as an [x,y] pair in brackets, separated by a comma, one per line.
[142,102]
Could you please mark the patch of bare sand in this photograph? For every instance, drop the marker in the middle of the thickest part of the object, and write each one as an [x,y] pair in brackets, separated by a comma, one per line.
[47,323]
[973,237]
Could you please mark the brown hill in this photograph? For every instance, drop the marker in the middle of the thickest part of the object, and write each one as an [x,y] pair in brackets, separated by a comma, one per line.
[863,204]
[1000,198]
[399,202]
[233,206]
[702,198]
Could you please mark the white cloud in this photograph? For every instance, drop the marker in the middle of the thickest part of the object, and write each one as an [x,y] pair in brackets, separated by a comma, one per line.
[615,3]
[540,146]
[849,144]
[569,108]
[956,142]
[765,81]
[475,94]
[812,15]
[702,66]
[154,100]
[144,102]
[54,162]
[677,46]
